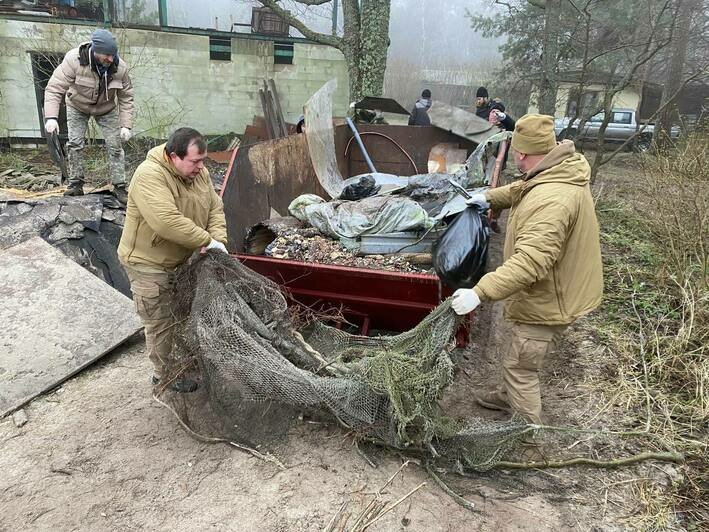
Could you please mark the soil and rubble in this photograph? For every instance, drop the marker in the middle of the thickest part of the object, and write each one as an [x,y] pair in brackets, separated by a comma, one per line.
[29,177]
[308,245]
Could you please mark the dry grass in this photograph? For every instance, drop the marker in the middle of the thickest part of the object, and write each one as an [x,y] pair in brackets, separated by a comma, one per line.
[655,320]
[12,160]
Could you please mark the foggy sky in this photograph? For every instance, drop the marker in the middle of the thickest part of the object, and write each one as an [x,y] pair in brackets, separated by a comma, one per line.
[435,33]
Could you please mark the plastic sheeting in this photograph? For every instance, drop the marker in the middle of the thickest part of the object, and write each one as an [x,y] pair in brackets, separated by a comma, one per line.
[321,139]
[348,220]
[474,172]
[460,122]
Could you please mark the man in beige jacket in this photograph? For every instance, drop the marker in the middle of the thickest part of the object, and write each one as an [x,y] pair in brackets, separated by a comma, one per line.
[552,271]
[96,84]
[172,211]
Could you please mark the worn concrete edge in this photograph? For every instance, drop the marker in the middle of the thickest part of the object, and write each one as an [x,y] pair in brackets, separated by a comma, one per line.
[65,378]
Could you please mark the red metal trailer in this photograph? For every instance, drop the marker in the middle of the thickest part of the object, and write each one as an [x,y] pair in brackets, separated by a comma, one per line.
[267,176]
[370,298]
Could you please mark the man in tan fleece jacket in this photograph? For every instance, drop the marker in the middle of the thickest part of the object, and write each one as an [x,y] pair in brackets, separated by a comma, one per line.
[95,83]
[172,211]
[552,272]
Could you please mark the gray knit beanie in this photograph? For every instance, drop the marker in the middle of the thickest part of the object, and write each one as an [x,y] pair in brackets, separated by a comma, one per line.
[103,42]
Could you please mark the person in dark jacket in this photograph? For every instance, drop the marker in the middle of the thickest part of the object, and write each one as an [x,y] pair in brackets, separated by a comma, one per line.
[494,112]
[486,108]
[419,114]
[483,104]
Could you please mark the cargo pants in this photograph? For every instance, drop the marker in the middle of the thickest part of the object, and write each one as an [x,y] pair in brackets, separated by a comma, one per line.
[524,356]
[77,123]
[152,296]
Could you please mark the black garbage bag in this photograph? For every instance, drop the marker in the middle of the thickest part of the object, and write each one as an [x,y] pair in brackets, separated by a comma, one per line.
[365,187]
[460,254]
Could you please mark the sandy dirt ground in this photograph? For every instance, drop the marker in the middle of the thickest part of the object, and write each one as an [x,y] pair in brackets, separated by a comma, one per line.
[99,453]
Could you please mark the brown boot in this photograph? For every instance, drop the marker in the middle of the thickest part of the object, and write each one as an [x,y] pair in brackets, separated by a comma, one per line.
[494,400]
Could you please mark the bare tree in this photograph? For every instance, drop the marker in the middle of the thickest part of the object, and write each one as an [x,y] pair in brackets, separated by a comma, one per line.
[655,40]
[364,40]
[674,73]
[548,83]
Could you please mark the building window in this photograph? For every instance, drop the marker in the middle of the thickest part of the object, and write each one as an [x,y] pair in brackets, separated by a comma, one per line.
[283,53]
[219,48]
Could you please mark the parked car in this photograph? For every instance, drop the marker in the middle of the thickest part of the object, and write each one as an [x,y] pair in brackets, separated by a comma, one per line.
[622,126]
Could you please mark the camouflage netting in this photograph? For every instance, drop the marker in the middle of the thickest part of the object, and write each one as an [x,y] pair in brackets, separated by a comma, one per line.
[257,374]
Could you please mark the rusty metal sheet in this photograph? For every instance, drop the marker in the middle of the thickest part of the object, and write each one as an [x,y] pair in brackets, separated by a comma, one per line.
[387,157]
[255,132]
[265,177]
[57,318]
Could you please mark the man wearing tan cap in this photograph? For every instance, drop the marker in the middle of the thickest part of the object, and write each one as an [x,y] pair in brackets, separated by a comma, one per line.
[552,272]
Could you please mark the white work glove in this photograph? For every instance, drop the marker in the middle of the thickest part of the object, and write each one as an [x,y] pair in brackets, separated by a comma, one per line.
[464,300]
[125,134]
[51,125]
[499,115]
[480,200]
[215,244]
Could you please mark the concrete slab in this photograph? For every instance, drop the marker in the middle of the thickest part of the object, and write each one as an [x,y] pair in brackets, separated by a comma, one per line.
[56,318]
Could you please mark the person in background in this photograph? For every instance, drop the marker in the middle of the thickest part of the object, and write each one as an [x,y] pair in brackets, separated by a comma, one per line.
[492,110]
[96,85]
[419,114]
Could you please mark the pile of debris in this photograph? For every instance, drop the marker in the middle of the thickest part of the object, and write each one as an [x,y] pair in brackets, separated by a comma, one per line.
[87,229]
[29,177]
[308,245]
